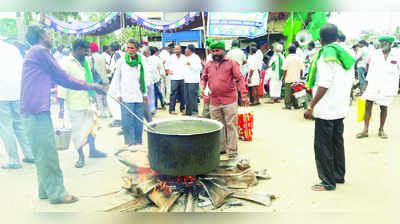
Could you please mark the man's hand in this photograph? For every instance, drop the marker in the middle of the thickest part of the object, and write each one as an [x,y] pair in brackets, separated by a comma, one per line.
[245,101]
[308,114]
[119,99]
[188,63]
[98,88]
[145,99]
[202,94]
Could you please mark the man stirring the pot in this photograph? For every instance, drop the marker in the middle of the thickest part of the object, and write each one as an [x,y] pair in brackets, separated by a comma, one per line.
[223,77]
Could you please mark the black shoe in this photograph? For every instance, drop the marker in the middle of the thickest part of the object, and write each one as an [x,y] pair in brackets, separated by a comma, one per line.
[80,163]
[27,160]
[115,123]
[340,181]
[97,154]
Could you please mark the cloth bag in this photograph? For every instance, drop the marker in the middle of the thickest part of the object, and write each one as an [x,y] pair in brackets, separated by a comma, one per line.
[361,110]
[246,124]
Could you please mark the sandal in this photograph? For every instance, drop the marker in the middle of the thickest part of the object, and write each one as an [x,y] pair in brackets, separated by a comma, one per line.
[321,187]
[80,164]
[70,201]
[11,166]
[383,135]
[362,135]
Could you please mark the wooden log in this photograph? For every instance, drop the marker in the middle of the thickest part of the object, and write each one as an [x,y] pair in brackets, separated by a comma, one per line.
[189,203]
[158,197]
[142,202]
[217,194]
[168,204]
[260,198]
[227,173]
[130,204]
[147,186]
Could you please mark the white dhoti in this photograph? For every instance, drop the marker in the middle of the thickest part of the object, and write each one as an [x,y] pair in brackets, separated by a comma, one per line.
[377,96]
[81,125]
[275,88]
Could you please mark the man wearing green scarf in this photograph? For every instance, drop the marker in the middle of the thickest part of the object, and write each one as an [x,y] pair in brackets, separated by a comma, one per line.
[275,84]
[78,103]
[382,83]
[224,79]
[131,78]
[332,76]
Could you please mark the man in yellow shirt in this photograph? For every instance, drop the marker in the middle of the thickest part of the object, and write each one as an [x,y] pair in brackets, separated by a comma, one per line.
[79,102]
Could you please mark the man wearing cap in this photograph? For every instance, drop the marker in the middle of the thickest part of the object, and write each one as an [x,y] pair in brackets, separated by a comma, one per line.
[223,77]
[381,84]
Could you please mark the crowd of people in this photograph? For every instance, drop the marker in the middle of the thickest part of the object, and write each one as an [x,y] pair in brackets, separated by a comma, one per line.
[139,77]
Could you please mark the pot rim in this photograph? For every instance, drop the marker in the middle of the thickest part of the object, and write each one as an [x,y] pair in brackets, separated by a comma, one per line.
[220,125]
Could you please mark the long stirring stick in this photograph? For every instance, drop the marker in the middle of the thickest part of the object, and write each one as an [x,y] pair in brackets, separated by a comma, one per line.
[131,112]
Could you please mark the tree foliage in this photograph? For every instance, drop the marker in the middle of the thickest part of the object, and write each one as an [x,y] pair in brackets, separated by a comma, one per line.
[8,28]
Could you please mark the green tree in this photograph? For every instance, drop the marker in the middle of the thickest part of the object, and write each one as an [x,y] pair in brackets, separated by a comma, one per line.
[8,28]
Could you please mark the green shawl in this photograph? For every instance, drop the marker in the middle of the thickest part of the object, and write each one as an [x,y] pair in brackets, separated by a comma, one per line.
[88,76]
[280,66]
[331,52]
[134,63]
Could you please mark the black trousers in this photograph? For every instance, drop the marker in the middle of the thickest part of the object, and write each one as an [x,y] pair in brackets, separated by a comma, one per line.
[329,151]
[288,95]
[177,86]
[191,94]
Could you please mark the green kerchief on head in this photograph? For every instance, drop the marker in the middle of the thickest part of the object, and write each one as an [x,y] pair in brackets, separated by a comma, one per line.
[209,42]
[218,45]
[386,39]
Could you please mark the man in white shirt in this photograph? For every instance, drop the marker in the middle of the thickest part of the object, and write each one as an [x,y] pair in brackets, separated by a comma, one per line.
[330,106]
[299,51]
[98,65]
[158,73]
[176,69]
[113,106]
[237,54]
[293,66]
[253,77]
[131,78]
[382,83]
[361,63]
[11,126]
[107,56]
[165,80]
[192,80]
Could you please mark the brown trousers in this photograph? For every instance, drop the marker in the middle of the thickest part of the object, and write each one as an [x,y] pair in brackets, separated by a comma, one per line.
[227,114]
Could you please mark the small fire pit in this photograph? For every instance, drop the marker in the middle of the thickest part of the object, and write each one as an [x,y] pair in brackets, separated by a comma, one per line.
[229,180]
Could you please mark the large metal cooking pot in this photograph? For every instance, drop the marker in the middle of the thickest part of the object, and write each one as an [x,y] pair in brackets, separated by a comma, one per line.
[184,146]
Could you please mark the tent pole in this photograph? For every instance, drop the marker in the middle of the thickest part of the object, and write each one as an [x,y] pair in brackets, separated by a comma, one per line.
[140,34]
[205,34]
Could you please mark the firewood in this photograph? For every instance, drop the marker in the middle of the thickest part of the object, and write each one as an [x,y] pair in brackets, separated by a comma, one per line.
[189,203]
[217,194]
[129,204]
[166,206]
[260,198]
